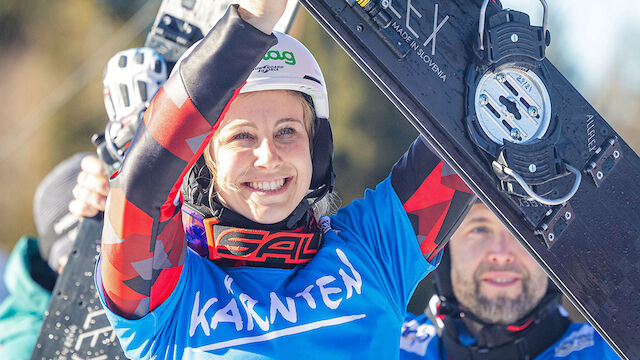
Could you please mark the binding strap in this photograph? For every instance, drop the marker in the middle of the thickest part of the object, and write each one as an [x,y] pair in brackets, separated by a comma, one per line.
[234,246]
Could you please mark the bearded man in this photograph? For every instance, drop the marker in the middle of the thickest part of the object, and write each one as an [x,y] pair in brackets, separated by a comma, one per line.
[495,302]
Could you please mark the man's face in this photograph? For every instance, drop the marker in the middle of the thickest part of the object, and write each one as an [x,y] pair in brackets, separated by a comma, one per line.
[491,273]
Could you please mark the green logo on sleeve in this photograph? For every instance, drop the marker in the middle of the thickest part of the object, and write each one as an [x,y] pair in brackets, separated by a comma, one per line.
[287,56]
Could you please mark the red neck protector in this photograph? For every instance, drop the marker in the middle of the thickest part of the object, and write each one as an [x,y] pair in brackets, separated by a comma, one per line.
[234,246]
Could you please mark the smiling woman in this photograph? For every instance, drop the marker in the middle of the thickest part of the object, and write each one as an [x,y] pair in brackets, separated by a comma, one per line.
[235,150]
[261,156]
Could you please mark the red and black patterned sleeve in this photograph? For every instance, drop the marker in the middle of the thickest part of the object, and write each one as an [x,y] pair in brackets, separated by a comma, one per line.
[434,197]
[143,243]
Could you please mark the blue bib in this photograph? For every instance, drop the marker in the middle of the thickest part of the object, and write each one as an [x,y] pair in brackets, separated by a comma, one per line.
[348,302]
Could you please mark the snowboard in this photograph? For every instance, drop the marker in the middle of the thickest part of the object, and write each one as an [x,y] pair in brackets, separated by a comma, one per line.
[180,23]
[474,80]
[75,326]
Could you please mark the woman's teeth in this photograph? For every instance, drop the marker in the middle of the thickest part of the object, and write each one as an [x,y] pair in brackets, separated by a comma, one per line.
[267,185]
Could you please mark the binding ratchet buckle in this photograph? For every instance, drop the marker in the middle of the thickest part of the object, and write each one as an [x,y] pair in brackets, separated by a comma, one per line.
[509,112]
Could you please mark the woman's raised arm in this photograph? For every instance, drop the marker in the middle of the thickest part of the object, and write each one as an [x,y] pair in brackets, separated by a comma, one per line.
[143,243]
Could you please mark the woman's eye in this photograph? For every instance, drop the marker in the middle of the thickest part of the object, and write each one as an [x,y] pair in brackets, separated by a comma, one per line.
[286,132]
[241,136]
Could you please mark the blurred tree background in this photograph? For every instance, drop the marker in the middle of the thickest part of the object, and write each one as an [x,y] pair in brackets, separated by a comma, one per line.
[49,48]
[52,54]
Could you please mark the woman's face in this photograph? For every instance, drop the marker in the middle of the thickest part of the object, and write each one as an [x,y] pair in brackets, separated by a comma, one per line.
[262,156]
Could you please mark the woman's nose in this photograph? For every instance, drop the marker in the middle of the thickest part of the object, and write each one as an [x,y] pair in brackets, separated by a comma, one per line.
[267,155]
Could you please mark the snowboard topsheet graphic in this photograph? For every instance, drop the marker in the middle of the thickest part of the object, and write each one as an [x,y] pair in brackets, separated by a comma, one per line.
[473,79]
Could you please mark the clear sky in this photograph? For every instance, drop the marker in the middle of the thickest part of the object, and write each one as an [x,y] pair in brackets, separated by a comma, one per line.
[602,37]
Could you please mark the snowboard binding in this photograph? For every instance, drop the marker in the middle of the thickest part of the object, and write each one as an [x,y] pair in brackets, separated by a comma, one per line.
[510,115]
[180,24]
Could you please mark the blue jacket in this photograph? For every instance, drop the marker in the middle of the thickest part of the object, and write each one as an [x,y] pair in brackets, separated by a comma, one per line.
[348,302]
[419,340]
[22,312]
[357,285]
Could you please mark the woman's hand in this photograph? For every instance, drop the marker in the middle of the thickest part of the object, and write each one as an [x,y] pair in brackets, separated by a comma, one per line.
[91,190]
[262,14]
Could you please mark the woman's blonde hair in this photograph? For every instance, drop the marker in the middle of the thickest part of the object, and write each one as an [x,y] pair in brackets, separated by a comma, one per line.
[325,206]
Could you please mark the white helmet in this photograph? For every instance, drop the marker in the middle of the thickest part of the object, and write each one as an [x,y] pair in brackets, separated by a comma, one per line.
[288,65]
[131,79]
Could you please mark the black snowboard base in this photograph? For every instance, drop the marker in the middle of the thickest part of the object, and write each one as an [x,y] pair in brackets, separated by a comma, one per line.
[75,326]
[425,56]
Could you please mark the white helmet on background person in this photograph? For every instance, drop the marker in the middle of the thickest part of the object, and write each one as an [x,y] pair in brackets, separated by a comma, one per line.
[131,79]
